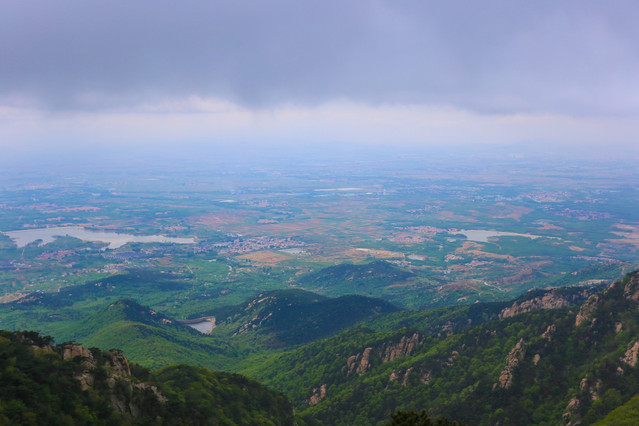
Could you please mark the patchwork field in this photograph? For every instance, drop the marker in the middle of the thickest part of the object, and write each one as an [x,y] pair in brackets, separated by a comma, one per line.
[480,236]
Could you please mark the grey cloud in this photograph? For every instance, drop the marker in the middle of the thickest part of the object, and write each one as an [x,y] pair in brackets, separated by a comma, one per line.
[502,56]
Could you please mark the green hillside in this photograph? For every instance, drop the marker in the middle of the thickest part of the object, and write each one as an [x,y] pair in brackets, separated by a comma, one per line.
[291,317]
[148,337]
[625,415]
[67,384]
[370,278]
[52,312]
[544,366]
[552,356]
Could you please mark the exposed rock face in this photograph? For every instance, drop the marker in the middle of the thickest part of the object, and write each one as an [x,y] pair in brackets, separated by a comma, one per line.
[516,355]
[317,395]
[85,377]
[72,350]
[405,381]
[119,364]
[536,359]
[570,416]
[351,363]
[118,370]
[386,352]
[552,299]
[587,310]
[631,355]
[631,289]
[592,389]
[254,323]
[589,389]
[424,376]
[364,364]
[547,335]
[405,346]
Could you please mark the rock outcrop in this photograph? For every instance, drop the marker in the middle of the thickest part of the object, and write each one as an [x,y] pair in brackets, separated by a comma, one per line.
[405,346]
[570,415]
[364,364]
[631,355]
[587,310]
[86,376]
[515,357]
[317,395]
[386,352]
[550,331]
[631,288]
[553,299]
[592,388]
[118,373]
[627,288]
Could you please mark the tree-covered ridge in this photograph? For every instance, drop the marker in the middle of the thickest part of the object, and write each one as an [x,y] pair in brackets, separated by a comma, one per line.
[292,317]
[548,366]
[150,338]
[369,278]
[66,384]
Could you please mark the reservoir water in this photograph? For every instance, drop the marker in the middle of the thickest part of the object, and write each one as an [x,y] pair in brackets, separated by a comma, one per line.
[481,236]
[113,239]
[203,325]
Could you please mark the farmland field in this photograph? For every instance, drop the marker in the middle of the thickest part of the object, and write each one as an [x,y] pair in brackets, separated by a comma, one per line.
[494,232]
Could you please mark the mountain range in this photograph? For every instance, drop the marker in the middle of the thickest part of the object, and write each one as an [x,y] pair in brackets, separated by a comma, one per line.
[555,356]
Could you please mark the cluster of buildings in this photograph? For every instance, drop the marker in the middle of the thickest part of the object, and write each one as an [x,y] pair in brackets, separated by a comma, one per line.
[240,245]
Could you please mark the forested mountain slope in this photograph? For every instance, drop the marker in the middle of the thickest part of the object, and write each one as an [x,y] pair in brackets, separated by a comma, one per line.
[43,383]
[291,317]
[538,364]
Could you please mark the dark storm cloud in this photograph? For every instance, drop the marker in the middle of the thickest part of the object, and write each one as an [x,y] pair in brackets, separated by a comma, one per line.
[505,56]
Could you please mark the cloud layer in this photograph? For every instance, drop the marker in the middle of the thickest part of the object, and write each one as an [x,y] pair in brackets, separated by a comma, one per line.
[566,61]
[577,57]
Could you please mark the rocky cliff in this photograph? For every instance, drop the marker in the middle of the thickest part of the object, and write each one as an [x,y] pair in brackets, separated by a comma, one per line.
[362,362]
[548,299]
[114,369]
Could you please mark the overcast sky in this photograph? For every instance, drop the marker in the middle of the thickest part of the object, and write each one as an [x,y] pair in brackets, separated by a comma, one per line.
[87,74]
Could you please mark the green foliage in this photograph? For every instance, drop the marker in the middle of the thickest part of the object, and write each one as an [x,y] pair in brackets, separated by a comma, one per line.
[149,338]
[292,317]
[238,400]
[624,415]
[39,387]
[346,278]
[412,418]
[458,375]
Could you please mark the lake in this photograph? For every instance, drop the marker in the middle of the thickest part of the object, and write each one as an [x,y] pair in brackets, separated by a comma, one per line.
[203,325]
[481,236]
[113,239]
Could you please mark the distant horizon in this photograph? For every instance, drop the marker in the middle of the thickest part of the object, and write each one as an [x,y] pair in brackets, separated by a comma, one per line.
[202,155]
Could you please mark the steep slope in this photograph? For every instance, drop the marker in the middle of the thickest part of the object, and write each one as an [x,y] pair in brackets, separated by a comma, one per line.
[625,415]
[556,363]
[148,337]
[44,383]
[292,317]
[453,319]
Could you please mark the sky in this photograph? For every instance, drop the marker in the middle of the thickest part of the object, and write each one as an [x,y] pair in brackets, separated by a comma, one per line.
[84,76]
